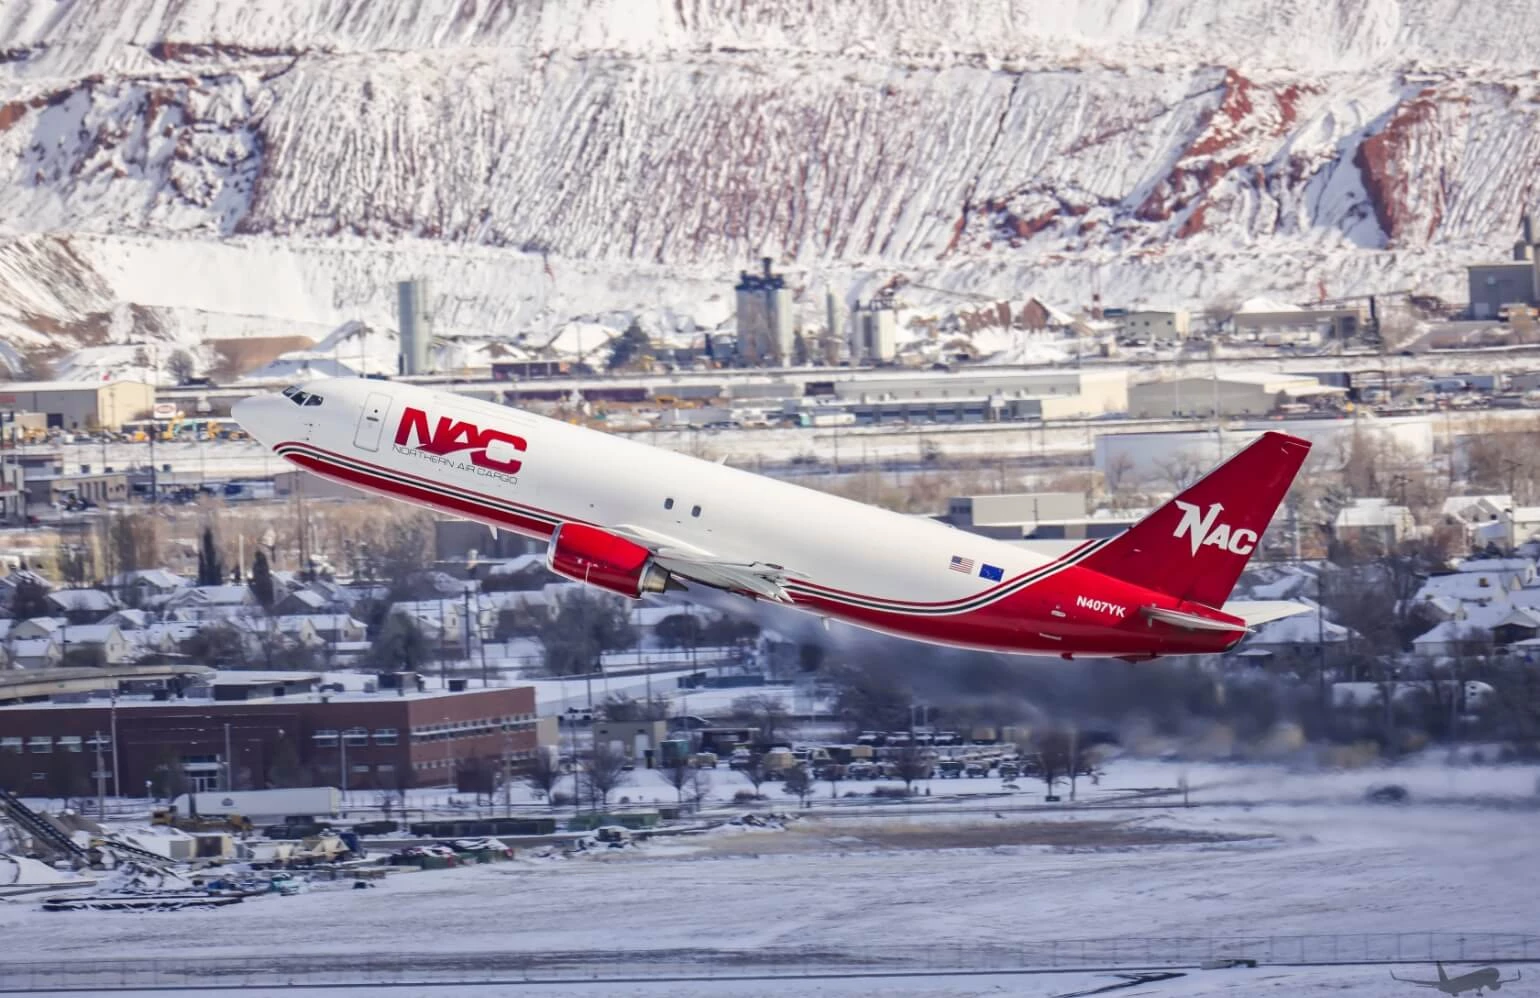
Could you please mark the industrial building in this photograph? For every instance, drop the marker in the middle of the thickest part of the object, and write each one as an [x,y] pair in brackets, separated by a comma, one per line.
[1509,282]
[1156,324]
[1086,391]
[1300,325]
[1032,516]
[765,333]
[1241,393]
[96,487]
[874,333]
[80,405]
[252,730]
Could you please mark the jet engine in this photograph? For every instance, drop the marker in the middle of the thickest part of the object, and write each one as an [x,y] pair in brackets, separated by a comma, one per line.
[599,558]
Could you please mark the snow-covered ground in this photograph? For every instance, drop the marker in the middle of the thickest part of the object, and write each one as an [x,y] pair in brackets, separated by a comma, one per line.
[928,878]
[1294,982]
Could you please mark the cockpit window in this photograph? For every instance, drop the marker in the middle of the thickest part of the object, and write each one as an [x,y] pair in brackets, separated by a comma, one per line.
[314,400]
[298,398]
[290,391]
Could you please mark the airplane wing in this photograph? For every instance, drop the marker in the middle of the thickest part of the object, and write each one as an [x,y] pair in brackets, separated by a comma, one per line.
[1408,980]
[691,562]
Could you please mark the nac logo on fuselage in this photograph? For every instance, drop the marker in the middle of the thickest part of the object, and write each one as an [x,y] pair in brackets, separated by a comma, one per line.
[450,436]
[1203,530]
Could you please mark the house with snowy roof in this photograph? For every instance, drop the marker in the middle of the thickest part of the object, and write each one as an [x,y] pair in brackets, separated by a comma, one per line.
[211,602]
[1522,569]
[300,601]
[1472,588]
[36,627]
[82,606]
[322,628]
[146,586]
[1495,625]
[102,639]
[35,653]
[1375,522]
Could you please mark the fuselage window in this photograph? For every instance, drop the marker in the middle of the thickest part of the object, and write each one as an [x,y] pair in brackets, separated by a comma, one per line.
[695,511]
[668,503]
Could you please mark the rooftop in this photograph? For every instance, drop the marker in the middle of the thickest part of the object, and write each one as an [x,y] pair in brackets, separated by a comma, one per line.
[64,386]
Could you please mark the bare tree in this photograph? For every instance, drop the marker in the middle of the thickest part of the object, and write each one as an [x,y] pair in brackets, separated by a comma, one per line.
[602,772]
[796,781]
[1180,470]
[832,775]
[766,712]
[912,763]
[180,366]
[757,773]
[678,775]
[1058,757]
[699,787]
[543,775]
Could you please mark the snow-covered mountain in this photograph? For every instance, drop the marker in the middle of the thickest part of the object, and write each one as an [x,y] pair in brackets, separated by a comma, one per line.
[204,169]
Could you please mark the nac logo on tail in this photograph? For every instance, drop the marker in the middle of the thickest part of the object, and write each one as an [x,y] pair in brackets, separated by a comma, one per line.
[1203,530]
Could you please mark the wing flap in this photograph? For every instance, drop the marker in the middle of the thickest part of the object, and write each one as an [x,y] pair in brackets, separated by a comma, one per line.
[1190,621]
[1255,612]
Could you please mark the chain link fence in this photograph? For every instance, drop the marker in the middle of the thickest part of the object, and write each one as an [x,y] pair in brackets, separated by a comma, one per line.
[363,969]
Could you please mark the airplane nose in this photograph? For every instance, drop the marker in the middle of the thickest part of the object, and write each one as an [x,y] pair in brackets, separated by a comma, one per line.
[255,414]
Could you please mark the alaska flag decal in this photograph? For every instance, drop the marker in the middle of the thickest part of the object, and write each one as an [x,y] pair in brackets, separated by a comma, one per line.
[990,572]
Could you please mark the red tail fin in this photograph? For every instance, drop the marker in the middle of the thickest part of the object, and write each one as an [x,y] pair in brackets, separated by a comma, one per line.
[1195,546]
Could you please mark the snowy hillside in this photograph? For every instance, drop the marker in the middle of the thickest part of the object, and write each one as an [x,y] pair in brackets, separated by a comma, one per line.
[263,168]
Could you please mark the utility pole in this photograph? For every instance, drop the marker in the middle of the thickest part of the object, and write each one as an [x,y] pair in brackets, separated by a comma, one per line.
[229,767]
[508,775]
[101,779]
[342,746]
[113,714]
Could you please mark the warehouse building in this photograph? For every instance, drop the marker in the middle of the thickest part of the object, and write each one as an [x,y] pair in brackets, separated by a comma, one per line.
[1158,324]
[80,405]
[984,394]
[1239,393]
[1032,516]
[253,730]
[1300,325]
[1507,282]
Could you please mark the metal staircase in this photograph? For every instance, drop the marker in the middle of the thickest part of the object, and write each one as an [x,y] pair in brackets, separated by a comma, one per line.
[44,834]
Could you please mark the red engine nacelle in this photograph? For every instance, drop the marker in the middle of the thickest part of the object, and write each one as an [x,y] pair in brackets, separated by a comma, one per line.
[599,558]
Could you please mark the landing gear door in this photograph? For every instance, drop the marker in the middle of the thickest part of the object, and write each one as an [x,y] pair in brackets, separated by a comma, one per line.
[372,423]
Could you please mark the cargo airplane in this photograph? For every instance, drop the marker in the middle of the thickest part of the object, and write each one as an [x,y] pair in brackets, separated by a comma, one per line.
[634,519]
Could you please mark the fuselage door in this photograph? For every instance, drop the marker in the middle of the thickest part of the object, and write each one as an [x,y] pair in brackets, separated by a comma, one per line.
[372,422]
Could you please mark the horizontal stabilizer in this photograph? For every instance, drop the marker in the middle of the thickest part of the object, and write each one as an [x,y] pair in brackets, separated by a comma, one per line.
[1190,621]
[1255,612]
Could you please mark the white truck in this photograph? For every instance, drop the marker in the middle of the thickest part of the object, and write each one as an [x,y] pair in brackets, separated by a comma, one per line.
[263,805]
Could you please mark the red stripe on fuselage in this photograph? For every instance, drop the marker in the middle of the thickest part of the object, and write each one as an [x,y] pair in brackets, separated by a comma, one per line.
[425,496]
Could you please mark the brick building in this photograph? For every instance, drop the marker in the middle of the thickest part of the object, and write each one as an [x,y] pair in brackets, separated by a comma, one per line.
[273,735]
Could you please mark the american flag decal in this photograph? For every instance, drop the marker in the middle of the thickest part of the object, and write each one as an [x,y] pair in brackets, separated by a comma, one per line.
[963,565]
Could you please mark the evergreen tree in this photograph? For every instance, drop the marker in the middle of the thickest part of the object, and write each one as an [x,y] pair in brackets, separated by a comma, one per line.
[262,581]
[210,571]
[30,600]
[628,346]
